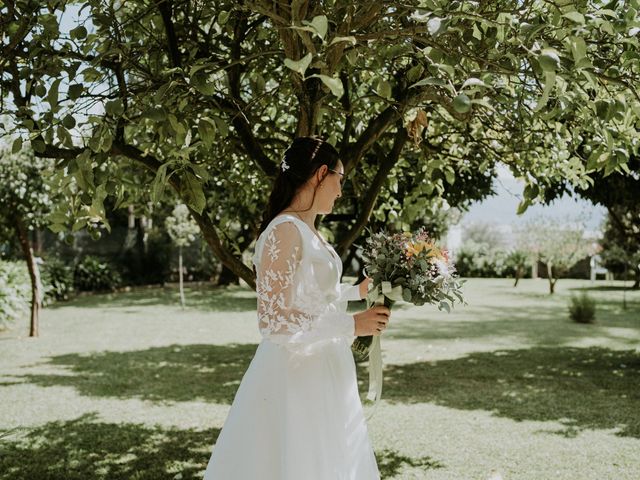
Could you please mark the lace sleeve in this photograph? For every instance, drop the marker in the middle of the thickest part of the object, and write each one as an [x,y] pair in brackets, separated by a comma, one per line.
[282,314]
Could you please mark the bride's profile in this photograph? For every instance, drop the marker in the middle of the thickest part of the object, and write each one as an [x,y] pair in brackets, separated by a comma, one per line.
[297,413]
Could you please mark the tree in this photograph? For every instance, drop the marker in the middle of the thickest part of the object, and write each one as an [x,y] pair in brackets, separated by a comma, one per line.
[619,193]
[558,244]
[205,96]
[517,261]
[25,202]
[621,245]
[182,230]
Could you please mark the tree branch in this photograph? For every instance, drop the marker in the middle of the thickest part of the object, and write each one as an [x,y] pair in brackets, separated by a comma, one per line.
[165,7]
[371,196]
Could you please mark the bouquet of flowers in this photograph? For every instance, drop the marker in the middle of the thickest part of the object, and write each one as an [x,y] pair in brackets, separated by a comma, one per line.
[405,267]
[408,267]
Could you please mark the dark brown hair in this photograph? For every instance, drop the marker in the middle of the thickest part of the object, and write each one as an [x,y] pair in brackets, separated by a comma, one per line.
[301,160]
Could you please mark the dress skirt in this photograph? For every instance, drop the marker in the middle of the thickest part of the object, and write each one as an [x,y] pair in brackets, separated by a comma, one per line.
[296,417]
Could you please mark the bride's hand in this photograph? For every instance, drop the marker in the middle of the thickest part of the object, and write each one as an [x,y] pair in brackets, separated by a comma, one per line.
[364,287]
[372,321]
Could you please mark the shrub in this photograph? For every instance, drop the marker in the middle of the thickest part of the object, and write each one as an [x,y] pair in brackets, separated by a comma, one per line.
[15,291]
[582,309]
[480,260]
[57,280]
[92,275]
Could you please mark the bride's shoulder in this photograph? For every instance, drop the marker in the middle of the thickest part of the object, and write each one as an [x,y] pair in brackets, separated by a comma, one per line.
[284,226]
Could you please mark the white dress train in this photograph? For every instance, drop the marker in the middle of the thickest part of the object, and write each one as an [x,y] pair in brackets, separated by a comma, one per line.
[297,414]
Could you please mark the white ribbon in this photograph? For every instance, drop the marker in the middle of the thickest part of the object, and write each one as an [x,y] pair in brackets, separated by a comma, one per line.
[376,297]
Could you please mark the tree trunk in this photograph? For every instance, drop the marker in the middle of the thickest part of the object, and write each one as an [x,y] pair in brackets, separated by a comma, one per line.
[369,201]
[227,277]
[34,275]
[552,281]
[227,258]
[636,283]
[180,276]
[518,275]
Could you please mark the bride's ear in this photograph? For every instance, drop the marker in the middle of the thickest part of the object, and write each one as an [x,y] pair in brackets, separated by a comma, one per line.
[321,173]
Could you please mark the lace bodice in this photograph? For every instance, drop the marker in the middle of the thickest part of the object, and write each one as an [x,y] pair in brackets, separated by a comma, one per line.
[301,301]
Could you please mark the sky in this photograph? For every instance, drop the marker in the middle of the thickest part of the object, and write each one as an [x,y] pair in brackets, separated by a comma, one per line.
[501,208]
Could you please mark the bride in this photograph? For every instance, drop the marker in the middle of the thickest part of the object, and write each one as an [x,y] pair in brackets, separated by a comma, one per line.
[297,413]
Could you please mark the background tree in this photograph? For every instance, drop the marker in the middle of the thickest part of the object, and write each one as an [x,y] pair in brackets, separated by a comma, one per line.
[517,261]
[558,244]
[619,193]
[620,244]
[182,230]
[25,202]
[205,96]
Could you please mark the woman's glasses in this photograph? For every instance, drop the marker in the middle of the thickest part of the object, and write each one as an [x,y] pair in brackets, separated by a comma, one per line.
[339,173]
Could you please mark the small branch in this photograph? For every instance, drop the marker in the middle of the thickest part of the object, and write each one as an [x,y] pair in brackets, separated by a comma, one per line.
[166,7]
[371,196]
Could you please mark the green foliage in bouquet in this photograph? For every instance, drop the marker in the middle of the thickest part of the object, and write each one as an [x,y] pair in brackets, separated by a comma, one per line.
[408,267]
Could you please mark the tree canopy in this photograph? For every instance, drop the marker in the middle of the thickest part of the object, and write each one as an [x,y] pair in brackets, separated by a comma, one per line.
[421,98]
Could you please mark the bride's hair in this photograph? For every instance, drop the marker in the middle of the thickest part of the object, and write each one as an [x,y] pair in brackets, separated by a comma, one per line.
[300,161]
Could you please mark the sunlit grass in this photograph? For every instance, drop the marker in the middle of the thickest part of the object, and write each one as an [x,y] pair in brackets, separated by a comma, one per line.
[131,386]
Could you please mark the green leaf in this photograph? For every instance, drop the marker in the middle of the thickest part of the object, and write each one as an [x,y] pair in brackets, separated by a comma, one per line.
[549,82]
[207,131]
[68,121]
[576,17]
[115,108]
[74,91]
[477,34]
[200,82]
[384,89]
[52,94]
[193,192]
[450,176]
[159,183]
[549,60]
[17,145]
[223,17]
[350,39]
[78,33]
[222,127]
[334,84]
[473,82]
[578,48]
[321,25]
[429,81]
[522,206]
[162,91]
[299,66]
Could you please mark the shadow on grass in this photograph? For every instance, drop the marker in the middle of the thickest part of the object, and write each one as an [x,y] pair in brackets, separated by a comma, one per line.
[206,298]
[590,388]
[606,288]
[539,325]
[85,448]
[391,463]
[172,373]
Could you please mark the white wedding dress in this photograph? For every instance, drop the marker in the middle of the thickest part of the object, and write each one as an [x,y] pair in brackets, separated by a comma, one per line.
[297,413]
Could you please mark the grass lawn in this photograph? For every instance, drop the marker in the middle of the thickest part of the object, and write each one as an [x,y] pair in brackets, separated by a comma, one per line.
[129,386]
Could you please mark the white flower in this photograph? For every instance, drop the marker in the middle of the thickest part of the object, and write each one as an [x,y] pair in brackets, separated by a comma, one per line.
[443,268]
[284,165]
